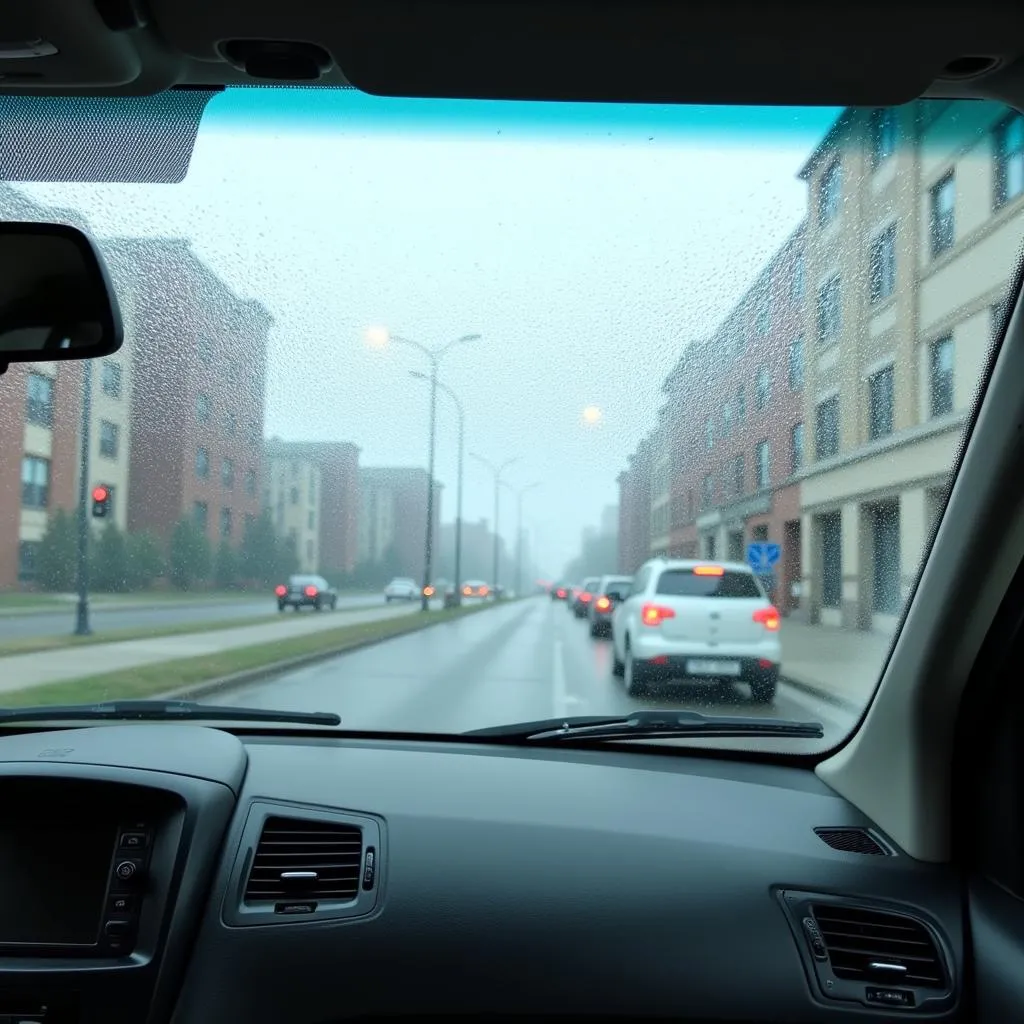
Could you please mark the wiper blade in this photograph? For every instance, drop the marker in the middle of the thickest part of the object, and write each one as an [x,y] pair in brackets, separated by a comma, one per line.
[162,711]
[648,725]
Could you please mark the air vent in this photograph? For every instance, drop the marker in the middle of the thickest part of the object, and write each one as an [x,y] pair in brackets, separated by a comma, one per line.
[852,840]
[878,947]
[304,859]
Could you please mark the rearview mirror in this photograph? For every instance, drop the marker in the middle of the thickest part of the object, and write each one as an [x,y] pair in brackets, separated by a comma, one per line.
[56,300]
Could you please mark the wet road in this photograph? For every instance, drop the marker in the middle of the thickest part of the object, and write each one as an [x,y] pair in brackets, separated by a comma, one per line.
[524,661]
[53,623]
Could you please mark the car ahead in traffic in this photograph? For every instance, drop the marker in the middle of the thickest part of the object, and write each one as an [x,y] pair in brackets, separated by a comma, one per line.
[583,595]
[402,588]
[699,622]
[559,592]
[475,588]
[610,593]
[306,592]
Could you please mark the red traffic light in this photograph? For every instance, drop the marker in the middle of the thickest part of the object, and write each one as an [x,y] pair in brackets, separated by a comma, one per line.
[100,493]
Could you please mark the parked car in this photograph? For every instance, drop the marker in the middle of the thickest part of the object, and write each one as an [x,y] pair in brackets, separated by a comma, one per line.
[610,593]
[583,596]
[697,621]
[402,588]
[306,592]
[475,588]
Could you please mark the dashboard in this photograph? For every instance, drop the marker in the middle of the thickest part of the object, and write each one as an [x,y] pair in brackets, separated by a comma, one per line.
[172,873]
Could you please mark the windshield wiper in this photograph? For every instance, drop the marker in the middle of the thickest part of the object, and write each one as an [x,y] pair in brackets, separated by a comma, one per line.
[649,725]
[162,711]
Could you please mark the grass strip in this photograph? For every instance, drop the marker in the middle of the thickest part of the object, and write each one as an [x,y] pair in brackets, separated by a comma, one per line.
[169,676]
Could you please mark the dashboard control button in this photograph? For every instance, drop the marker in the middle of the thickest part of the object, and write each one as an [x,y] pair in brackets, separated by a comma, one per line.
[134,840]
[120,906]
[369,868]
[890,997]
[128,871]
[117,929]
[818,948]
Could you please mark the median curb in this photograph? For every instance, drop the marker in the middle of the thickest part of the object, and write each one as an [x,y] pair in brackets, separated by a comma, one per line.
[825,696]
[276,668]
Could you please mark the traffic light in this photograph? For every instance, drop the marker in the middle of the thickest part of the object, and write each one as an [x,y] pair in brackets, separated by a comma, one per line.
[102,499]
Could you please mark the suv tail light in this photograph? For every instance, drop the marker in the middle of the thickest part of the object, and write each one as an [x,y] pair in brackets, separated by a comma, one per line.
[280,590]
[768,617]
[602,604]
[310,591]
[655,614]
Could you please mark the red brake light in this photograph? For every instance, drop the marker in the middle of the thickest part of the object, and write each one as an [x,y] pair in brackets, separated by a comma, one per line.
[655,614]
[708,570]
[585,597]
[311,591]
[602,604]
[768,617]
[560,592]
[280,590]
[483,591]
[428,591]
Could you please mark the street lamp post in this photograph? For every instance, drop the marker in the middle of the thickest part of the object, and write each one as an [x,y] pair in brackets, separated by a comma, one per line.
[520,492]
[497,471]
[380,338]
[82,609]
[458,499]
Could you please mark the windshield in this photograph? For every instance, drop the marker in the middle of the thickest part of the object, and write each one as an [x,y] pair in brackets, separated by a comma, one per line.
[710,333]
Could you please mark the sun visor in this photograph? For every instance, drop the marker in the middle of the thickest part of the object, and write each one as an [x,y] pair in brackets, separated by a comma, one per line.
[98,138]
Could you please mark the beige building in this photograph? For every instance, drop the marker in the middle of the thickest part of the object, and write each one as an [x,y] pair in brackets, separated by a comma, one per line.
[292,492]
[915,224]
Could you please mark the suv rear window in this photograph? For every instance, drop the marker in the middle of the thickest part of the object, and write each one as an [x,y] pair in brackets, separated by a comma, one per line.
[683,583]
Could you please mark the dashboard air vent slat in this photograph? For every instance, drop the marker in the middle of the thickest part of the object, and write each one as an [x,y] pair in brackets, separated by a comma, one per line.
[851,840]
[305,859]
[873,945]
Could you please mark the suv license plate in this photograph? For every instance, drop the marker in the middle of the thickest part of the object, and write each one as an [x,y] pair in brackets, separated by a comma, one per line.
[707,667]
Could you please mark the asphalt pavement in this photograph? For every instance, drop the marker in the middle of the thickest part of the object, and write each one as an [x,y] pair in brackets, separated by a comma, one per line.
[523,661]
[53,623]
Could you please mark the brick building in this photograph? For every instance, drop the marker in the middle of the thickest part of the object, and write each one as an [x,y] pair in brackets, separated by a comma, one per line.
[393,517]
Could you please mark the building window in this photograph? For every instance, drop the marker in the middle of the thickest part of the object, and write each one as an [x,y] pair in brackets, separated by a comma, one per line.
[764,387]
[250,481]
[796,282]
[309,551]
[941,376]
[829,193]
[312,490]
[200,514]
[230,424]
[708,494]
[294,466]
[830,312]
[741,405]
[726,418]
[311,520]
[880,402]
[35,482]
[28,552]
[738,483]
[831,533]
[942,222]
[796,364]
[826,428]
[709,432]
[111,379]
[763,466]
[227,473]
[202,463]
[225,524]
[796,448]
[882,265]
[39,400]
[883,135]
[203,408]
[1009,145]
[293,496]
[763,319]
[109,439]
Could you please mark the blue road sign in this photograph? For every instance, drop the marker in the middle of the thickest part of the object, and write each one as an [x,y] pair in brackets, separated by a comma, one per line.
[762,555]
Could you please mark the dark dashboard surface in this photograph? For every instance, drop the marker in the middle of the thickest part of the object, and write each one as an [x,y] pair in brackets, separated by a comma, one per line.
[315,879]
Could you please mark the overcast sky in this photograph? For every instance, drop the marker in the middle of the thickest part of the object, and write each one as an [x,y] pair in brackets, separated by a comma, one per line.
[586,244]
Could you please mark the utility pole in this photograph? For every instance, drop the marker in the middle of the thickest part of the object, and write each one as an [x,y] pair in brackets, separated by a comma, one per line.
[82,610]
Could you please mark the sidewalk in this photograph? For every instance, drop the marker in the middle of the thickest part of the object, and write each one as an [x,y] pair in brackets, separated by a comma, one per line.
[25,670]
[843,664]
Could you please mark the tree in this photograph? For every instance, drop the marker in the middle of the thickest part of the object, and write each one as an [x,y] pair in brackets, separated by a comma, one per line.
[145,560]
[189,556]
[57,558]
[226,566]
[109,561]
[265,556]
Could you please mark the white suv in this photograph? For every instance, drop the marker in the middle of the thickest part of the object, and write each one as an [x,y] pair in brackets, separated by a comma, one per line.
[697,621]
